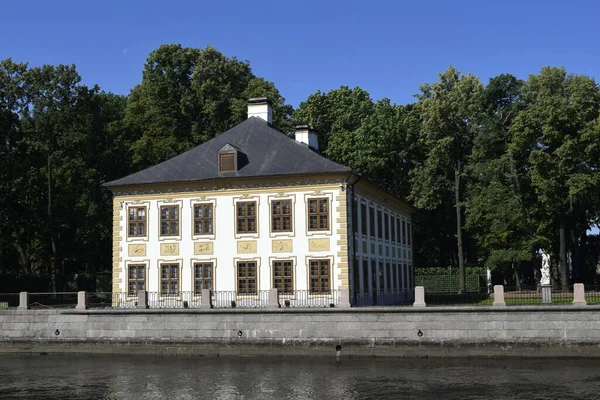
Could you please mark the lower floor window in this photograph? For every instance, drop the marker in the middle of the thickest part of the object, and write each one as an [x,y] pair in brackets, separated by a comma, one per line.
[319,277]
[283,276]
[169,279]
[246,277]
[136,279]
[203,277]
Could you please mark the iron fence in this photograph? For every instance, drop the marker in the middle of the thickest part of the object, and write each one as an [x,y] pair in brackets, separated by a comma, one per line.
[9,300]
[482,298]
[308,299]
[110,300]
[233,299]
[592,294]
[53,300]
[532,295]
[383,298]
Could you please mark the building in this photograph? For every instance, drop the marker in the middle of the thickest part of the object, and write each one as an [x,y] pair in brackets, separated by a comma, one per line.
[252,210]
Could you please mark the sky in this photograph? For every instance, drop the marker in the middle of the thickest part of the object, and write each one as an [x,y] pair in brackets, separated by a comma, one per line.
[388,48]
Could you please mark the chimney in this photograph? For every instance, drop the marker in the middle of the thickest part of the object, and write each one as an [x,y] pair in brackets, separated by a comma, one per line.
[260,107]
[306,135]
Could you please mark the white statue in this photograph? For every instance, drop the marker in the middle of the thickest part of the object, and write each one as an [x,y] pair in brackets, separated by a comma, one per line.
[545,279]
[488,276]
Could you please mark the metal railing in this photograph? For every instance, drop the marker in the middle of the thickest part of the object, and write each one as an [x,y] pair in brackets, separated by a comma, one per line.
[592,294]
[308,299]
[53,300]
[110,300]
[460,299]
[383,298]
[532,295]
[233,299]
[9,300]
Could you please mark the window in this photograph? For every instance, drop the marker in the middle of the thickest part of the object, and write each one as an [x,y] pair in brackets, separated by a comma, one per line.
[318,214]
[319,277]
[203,277]
[246,217]
[403,232]
[408,233]
[246,277]
[371,221]
[363,219]
[393,229]
[169,279]
[137,279]
[137,221]
[398,236]
[387,226]
[203,219]
[169,220]
[379,224]
[283,276]
[281,215]
[227,162]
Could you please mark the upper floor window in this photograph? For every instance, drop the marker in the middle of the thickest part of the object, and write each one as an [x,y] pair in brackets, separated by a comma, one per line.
[203,219]
[283,276]
[363,218]
[403,232]
[169,279]
[246,277]
[379,224]
[227,162]
[371,221]
[246,217]
[318,214]
[136,280]
[386,234]
[281,215]
[203,277]
[408,233]
[319,277]
[169,220]
[137,221]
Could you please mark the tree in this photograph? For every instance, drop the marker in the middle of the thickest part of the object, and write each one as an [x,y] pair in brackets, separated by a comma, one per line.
[339,110]
[448,110]
[557,135]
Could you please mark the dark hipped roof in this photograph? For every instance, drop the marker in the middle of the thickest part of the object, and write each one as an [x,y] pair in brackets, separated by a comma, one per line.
[268,152]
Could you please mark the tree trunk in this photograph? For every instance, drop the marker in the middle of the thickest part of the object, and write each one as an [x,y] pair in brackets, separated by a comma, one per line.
[517,276]
[461,258]
[562,266]
[53,241]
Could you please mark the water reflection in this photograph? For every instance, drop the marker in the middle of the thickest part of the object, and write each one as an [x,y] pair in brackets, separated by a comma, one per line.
[44,377]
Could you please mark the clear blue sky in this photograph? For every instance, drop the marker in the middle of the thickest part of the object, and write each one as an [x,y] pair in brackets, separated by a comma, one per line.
[385,47]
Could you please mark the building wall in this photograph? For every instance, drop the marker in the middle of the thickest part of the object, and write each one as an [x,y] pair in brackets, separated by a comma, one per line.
[461,331]
[382,236]
[225,247]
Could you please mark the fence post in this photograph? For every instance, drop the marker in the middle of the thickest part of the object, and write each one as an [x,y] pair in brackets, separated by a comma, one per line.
[499,295]
[344,298]
[273,298]
[81,301]
[579,294]
[206,298]
[142,299]
[23,301]
[419,297]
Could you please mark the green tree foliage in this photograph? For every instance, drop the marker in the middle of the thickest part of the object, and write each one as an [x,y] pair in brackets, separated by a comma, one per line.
[188,96]
[556,138]
[449,111]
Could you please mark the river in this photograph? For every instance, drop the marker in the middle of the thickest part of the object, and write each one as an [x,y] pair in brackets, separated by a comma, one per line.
[146,377]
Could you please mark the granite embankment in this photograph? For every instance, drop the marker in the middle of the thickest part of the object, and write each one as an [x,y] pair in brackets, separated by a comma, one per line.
[525,331]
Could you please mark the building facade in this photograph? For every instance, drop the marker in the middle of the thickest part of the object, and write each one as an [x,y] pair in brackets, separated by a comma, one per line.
[253,210]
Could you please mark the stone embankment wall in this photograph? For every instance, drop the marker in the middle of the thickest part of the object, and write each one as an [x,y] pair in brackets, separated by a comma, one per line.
[540,331]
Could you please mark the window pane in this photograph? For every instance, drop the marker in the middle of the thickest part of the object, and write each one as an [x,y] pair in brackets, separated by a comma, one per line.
[208,211]
[312,206]
[164,213]
[198,227]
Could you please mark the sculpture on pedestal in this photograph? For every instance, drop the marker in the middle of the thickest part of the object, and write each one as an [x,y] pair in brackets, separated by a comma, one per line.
[545,279]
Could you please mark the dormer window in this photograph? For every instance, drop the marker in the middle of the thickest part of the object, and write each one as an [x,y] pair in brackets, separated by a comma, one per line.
[229,158]
[227,162]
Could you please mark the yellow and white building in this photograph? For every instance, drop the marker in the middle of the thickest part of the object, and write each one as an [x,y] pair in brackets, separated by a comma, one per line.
[252,210]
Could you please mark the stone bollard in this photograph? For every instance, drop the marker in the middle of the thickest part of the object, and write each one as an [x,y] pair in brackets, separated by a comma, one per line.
[499,296]
[142,299]
[546,294]
[23,301]
[579,294]
[419,297]
[206,298]
[273,299]
[81,301]
[344,299]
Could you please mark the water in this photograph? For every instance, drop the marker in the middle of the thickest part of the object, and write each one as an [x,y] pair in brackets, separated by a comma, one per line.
[144,377]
